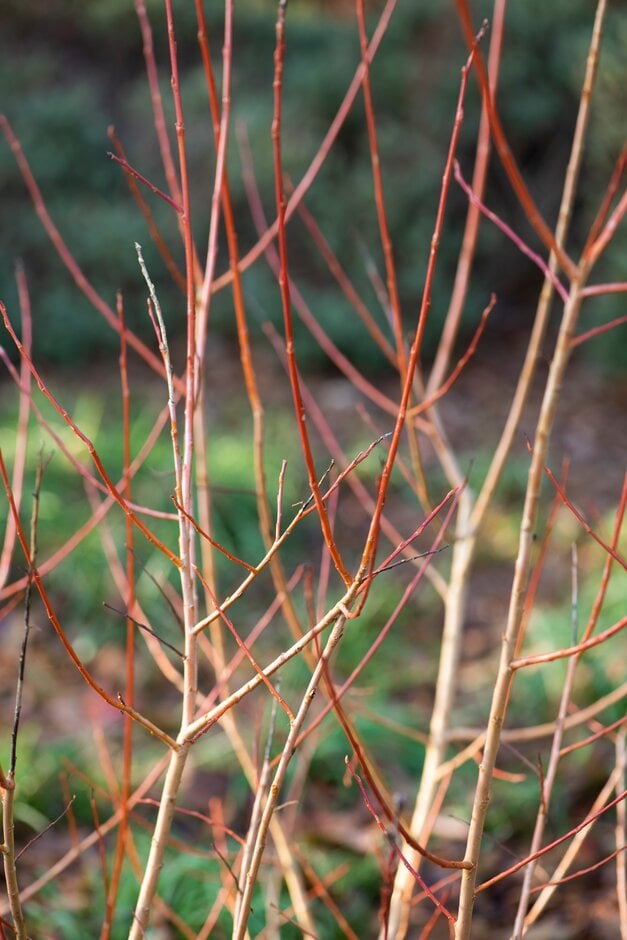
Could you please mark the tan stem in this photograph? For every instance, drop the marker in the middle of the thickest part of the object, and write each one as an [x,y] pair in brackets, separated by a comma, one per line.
[455,607]
[279,777]
[158,844]
[8,856]
[514,619]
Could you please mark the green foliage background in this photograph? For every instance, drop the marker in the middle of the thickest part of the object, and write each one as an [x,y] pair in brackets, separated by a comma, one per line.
[69,70]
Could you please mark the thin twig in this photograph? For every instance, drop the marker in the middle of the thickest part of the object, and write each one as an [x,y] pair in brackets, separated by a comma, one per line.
[322,152]
[21,433]
[145,628]
[7,784]
[621,836]
[66,255]
[32,557]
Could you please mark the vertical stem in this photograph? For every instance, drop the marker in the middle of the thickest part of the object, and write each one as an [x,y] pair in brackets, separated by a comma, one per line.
[621,833]
[515,615]
[263,781]
[545,799]
[158,845]
[7,784]
[8,855]
[21,436]
[129,691]
[178,756]
[546,296]
[545,420]
[157,104]
[220,123]
[505,154]
[248,368]
[299,407]
[386,244]
[455,610]
[469,241]
[279,777]
[368,554]
[221,129]
[379,197]
[186,538]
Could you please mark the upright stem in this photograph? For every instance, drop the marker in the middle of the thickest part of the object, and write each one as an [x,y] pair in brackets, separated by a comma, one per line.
[7,787]
[545,801]
[502,147]
[546,296]
[455,596]
[517,597]
[158,844]
[284,286]
[279,777]
[184,495]
[388,254]
[469,241]
[21,437]
[129,694]
[469,521]
[455,609]
[321,154]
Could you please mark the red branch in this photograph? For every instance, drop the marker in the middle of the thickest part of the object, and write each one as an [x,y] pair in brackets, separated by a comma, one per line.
[299,407]
[548,848]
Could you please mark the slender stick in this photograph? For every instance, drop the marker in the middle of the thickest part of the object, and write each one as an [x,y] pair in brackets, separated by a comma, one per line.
[248,369]
[165,148]
[321,153]
[167,804]
[621,834]
[64,252]
[471,229]
[255,816]
[507,159]
[111,487]
[299,408]
[543,431]
[129,691]
[7,784]
[279,777]
[178,758]
[455,603]
[8,856]
[386,244]
[379,198]
[510,639]
[21,434]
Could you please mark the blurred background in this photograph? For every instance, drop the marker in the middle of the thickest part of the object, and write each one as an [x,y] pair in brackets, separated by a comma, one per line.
[70,70]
